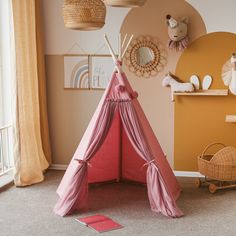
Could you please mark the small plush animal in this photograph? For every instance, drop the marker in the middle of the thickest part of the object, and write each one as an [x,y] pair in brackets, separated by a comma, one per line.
[229,77]
[177,31]
[176,86]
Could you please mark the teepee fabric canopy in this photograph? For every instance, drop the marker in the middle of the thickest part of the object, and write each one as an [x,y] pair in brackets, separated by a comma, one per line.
[117,142]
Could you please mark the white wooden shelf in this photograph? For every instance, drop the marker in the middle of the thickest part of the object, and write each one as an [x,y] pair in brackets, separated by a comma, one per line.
[230,118]
[210,92]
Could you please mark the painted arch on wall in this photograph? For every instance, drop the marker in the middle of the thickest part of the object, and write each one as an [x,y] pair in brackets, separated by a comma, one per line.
[150,20]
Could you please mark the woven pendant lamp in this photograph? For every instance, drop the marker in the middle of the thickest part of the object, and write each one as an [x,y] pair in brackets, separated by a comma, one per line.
[84,14]
[124,3]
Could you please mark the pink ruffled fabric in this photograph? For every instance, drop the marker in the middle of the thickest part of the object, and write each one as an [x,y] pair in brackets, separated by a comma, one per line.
[179,45]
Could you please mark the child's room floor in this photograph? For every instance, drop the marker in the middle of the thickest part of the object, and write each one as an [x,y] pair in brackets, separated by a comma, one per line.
[28,211]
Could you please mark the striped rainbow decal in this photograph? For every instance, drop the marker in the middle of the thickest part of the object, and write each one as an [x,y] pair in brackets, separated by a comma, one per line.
[79,75]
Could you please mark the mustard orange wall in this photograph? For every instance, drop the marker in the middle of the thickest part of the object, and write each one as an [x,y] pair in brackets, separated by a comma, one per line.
[201,120]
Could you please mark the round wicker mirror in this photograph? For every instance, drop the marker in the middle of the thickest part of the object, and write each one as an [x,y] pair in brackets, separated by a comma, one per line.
[146,56]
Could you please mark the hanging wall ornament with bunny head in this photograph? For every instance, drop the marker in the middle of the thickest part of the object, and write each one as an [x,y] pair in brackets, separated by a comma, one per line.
[178,33]
[229,74]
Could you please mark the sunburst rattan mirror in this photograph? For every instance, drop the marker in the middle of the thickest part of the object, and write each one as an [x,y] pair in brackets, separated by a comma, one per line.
[146,56]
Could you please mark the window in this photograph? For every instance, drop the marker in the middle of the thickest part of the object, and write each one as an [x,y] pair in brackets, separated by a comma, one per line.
[6,75]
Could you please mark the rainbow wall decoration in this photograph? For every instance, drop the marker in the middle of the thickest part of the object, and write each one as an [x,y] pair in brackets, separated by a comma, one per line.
[87,71]
[76,70]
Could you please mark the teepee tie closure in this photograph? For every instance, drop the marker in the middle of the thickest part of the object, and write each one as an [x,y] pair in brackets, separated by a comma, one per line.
[84,162]
[147,163]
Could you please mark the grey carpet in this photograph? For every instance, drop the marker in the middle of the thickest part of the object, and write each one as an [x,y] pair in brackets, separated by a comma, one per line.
[28,211]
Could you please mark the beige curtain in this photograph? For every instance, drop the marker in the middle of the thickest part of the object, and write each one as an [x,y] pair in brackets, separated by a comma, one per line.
[32,147]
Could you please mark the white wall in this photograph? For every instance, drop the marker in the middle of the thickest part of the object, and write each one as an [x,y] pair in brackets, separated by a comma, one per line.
[60,40]
[218,15]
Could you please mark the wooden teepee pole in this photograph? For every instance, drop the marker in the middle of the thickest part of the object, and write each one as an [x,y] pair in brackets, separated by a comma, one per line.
[119,46]
[127,45]
[123,43]
[112,53]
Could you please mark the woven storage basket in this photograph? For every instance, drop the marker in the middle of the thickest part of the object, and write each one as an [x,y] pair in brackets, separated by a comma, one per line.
[84,14]
[220,166]
[124,3]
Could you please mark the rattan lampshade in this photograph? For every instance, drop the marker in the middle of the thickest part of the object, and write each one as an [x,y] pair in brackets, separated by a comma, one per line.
[84,14]
[125,3]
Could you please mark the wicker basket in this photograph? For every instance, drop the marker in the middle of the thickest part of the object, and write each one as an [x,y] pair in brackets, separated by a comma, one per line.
[124,3]
[221,166]
[84,14]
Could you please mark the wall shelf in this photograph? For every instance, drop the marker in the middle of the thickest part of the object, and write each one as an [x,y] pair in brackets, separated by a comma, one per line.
[230,118]
[210,92]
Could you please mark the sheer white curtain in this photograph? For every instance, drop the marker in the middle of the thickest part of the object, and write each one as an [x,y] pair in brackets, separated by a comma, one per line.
[7,73]
[6,60]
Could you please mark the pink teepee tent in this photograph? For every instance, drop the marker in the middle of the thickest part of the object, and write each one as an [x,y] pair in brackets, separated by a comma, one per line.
[117,142]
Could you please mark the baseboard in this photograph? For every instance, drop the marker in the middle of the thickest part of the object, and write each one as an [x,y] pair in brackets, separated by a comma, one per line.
[187,174]
[177,173]
[58,167]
